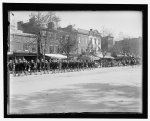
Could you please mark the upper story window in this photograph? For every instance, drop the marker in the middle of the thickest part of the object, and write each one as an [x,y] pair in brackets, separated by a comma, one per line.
[79,40]
[51,49]
[34,48]
[25,46]
[18,46]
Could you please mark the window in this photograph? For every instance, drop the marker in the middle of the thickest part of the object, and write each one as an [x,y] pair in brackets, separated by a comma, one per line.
[51,49]
[25,46]
[34,48]
[79,40]
[19,46]
[55,49]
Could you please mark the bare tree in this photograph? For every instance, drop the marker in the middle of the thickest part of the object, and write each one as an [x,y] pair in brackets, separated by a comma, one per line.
[40,20]
[67,45]
[43,18]
[106,32]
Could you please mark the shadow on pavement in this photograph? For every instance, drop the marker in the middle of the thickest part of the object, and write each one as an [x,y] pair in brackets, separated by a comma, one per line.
[91,97]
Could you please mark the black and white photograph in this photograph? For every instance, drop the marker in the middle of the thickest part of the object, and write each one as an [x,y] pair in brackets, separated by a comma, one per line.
[75,61]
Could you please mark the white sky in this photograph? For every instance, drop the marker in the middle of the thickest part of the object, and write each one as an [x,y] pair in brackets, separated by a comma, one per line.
[127,22]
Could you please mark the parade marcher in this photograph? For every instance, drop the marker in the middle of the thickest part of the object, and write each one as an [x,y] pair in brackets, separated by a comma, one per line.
[85,65]
[16,68]
[46,66]
[132,62]
[42,66]
[70,66]
[50,65]
[60,65]
[74,65]
[10,66]
[28,66]
[38,66]
[53,64]
[32,67]
[57,65]
[20,66]
[25,64]
[63,66]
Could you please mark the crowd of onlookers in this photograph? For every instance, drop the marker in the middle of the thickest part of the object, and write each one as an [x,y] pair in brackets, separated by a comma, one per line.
[19,67]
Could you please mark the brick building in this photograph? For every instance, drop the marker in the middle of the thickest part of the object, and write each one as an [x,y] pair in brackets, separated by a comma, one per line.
[131,46]
[50,36]
[83,40]
[23,43]
[107,43]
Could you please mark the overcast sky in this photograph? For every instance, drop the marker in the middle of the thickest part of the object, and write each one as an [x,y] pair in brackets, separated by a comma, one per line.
[127,22]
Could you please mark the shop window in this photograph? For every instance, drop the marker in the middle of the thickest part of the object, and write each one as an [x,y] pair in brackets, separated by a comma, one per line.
[25,46]
[34,48]
[51,49]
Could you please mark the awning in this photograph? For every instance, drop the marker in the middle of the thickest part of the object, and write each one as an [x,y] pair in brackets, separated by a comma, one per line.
[100,55]
[109,57]
[84,57]
[21,53]
[9,53]
[94,57]
[57,56]
[120,55]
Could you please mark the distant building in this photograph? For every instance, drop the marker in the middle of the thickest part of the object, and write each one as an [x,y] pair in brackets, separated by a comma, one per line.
[28,27]
[48,40]
[95,40]
[65,32]
[132,46]
[23,43]
[107,43]
[50,36]
[83,40]
[13,28]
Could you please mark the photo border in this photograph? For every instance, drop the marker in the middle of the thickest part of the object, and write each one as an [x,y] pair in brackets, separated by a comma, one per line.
[78,7]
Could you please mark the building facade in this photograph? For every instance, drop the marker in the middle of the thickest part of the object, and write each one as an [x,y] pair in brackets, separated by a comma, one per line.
[83,40]
[23,43]
[95,40]
[107,43]
[131,46]
[49,37]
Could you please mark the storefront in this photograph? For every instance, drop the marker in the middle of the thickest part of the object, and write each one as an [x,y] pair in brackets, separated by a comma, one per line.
[21,55]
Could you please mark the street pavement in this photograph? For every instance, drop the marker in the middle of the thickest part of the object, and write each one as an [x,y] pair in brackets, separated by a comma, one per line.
[114,89]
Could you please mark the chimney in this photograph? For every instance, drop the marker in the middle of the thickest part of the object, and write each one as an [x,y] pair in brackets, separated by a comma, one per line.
[70,27]
[91,32]
[51,25]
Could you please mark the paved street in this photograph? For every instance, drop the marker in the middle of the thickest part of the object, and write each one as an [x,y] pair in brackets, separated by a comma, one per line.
[116,89]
